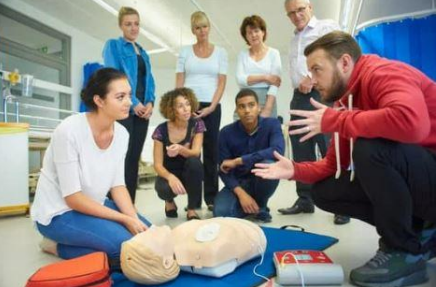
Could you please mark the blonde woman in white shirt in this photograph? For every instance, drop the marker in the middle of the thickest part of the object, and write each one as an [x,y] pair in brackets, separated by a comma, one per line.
[259,67]
[202,67]
[83,163]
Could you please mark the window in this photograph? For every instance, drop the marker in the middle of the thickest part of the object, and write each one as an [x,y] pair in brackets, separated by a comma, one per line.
[36,49]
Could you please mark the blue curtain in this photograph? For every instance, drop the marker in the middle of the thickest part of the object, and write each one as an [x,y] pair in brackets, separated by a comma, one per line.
[412,41]
[88,70]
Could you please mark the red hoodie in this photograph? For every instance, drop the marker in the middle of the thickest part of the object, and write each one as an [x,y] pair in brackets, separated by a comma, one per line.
[391,100]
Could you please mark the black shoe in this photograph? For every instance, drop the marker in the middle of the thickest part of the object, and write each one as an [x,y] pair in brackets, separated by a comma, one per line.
[300,206]
[264,217]
[341,219]
[191,217]
[171,213]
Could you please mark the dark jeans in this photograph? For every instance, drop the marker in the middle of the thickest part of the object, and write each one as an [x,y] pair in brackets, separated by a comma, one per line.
[210,153]
[137,128]
[305,151]
[79,234]
[191,177]
[394,188]
[227,203]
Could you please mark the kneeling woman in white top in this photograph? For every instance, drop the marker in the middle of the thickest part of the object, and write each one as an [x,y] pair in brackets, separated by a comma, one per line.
[85,161]
[259,68]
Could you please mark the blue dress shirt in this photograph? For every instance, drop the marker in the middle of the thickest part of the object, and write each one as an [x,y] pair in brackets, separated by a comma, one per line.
[235,142]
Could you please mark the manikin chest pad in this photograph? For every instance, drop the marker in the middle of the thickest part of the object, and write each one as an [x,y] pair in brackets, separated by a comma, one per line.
[216,246]
[148,258]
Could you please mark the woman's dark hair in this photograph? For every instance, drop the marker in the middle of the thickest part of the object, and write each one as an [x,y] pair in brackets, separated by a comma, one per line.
[254,22]
[98,84]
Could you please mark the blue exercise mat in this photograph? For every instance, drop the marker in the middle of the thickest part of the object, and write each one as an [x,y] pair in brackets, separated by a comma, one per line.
[278,239]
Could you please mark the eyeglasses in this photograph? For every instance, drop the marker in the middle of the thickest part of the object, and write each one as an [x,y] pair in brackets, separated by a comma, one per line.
[299,11]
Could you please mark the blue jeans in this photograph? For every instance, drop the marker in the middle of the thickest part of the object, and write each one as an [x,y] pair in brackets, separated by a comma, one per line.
[227,203]
[79,234]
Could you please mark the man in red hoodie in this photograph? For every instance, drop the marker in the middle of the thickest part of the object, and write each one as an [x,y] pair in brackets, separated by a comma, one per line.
[385,117]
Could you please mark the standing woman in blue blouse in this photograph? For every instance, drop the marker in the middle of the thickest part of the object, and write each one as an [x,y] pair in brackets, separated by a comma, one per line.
[128,56]
[202,67]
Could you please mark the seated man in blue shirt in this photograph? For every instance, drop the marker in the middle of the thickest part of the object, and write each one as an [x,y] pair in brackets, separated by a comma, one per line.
[250,140]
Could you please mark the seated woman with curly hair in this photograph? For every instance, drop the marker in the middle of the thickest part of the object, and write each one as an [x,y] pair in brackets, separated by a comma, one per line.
[177,147]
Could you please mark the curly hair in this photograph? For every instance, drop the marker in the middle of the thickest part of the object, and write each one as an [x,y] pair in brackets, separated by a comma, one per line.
[167,102]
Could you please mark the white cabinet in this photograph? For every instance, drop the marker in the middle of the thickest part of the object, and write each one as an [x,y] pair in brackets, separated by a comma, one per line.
[14,168]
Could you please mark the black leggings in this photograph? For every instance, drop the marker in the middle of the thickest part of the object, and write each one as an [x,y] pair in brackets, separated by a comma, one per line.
[394,190]
[191,177]
[137,128]
[210,153]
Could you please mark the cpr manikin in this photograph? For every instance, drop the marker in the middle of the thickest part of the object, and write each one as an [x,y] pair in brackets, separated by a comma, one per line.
[213,247]
[216,246]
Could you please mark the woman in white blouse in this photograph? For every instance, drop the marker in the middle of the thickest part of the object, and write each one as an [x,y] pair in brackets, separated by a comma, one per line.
[202,67]
[83,163]
[259,67]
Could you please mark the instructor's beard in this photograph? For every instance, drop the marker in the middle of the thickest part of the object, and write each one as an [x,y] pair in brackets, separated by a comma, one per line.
[337,89]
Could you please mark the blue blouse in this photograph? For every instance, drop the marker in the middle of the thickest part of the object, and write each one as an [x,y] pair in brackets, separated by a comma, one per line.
[121,55]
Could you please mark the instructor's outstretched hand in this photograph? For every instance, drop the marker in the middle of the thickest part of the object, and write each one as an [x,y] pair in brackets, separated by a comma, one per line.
[282,169]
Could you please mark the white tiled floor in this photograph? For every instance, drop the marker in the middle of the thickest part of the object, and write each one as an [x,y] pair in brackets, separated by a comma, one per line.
[20,255]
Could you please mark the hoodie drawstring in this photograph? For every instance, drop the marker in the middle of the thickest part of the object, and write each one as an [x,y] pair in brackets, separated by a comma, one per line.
[350,108]
[337,150]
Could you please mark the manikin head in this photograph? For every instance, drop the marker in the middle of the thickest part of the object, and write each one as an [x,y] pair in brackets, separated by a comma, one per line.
[148,258]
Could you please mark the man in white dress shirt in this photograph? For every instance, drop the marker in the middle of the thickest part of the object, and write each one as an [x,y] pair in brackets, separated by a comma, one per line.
[307,29]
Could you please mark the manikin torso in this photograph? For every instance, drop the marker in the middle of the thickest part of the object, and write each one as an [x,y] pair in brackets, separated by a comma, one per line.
[213,247]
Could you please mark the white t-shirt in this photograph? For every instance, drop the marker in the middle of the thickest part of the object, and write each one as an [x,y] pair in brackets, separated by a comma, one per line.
[201,74]
[269,65]
[297,61]
[73,162]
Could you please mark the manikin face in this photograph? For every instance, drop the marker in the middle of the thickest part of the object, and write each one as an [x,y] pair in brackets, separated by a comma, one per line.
[299,12]
[248,110]
[201,32]
[130,27]
[117,102]
[158,239]
[182,109]
[327,76]
[254,36]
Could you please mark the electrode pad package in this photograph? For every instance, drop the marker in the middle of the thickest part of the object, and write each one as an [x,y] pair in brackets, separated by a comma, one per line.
[217,246]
